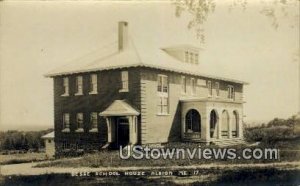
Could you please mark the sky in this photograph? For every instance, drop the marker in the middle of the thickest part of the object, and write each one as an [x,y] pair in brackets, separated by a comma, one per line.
[39,36]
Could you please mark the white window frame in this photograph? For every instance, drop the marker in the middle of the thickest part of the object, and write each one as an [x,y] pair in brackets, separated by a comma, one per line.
[124,81]
[217,88]
[94,126]
[193,86]
[163,105]
[183,85]
[163,94]
[79,86]
[209,88]
[79,128]
[231,92]
[164,87]
[93,84]
[66,86]
[196,58]
[66,125]
[186,56]
[191,57]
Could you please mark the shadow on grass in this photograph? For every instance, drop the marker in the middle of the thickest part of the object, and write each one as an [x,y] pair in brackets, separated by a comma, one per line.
[268,177]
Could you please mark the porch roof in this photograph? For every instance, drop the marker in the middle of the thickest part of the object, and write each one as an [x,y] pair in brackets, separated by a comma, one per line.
[202,99]
[49,135]
[119,108]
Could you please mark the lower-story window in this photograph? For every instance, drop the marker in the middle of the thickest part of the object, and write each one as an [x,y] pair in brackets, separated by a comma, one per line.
[79,121]
[94,122]
[66,122]
[163,105]
[65,145]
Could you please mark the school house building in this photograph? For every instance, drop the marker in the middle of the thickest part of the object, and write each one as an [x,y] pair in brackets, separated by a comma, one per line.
[134,95]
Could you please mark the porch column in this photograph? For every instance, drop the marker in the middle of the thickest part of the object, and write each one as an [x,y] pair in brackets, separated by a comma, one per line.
[240,128]
[130,123]
[219,128]
[108,123]
[230,125]
[182,126]
[134,130]
[205,135]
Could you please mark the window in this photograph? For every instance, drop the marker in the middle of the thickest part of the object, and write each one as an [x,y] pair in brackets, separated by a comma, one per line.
[79,120]
[193,84]
[183,84]
[217,86]
[78,85]
[191,57]
[66,121]
[162,83]
[93,84]
[163,94]
[124,79]
[163,105]
[186,56]
[209,87]
[196,58]
[65,145]
[49,141]
[231,92]
[66,86]
[94,120]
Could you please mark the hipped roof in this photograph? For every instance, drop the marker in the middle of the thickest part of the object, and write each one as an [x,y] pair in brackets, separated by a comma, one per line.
[136,54]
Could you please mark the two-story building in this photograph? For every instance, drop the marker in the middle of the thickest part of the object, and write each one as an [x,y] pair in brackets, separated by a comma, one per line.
[133,95]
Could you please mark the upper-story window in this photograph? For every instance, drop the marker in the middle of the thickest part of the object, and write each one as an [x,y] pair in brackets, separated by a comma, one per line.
[66,86]
[94,121]
[79,122]
[209,87]
[196,58]
[124,79]
[191,57]
[93,84]
[193,86]
[183,84]
[162,83]
[186,56]
[78,85]
[231,92]
[163,94]
[217,86]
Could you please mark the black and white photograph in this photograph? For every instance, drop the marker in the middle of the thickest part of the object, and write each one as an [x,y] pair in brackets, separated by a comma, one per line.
[170,92]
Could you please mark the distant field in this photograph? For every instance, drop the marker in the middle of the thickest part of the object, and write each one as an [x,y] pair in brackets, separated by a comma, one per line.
[21,158]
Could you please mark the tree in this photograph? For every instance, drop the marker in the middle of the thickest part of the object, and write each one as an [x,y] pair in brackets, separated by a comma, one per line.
[201,9]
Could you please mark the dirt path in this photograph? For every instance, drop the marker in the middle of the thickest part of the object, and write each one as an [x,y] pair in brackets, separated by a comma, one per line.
[28,169]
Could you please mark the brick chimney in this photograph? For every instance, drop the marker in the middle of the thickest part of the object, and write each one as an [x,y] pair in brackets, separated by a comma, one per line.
[123,35]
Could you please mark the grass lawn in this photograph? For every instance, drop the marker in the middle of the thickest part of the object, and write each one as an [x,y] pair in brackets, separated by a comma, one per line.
[21,158]
[288,152]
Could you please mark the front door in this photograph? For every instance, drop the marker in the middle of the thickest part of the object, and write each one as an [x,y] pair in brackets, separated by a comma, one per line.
[122,131]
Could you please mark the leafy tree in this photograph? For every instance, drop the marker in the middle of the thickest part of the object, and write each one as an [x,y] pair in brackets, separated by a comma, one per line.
[200,10]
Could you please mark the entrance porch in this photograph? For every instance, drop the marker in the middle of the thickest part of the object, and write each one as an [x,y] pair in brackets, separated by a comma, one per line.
[122,124]
[211,120]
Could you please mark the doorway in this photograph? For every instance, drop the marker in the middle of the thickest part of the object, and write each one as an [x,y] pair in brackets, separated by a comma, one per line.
[122,131]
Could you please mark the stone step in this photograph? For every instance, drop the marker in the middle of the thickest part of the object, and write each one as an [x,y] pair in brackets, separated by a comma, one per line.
[229,142]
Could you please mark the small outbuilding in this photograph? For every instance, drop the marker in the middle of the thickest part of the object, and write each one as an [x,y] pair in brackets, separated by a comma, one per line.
[49,144]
